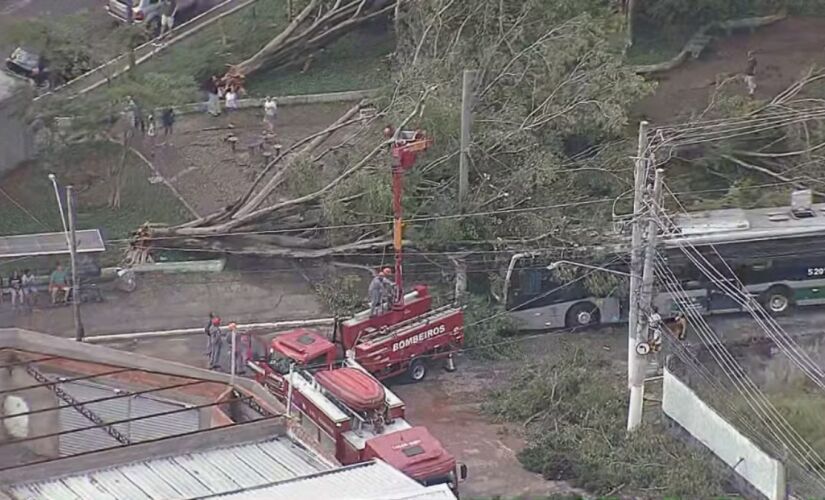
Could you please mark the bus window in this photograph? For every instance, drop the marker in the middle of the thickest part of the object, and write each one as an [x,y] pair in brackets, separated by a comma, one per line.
[530,281]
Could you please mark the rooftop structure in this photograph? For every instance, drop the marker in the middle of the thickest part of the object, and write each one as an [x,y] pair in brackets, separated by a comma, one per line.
[31,245]
[738,225]
[81,421]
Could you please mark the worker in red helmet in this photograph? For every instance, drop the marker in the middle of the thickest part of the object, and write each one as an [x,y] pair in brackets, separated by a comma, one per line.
[215,344]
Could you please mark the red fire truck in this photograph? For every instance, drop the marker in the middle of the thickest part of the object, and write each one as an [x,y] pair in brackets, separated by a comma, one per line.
[347,412]
[407,336]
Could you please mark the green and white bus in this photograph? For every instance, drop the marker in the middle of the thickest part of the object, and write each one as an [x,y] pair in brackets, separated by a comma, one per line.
[777,254]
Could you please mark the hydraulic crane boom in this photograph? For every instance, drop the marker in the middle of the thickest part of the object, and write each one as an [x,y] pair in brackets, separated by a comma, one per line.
[406,146]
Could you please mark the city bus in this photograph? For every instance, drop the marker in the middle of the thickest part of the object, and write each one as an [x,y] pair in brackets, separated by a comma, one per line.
[775,255]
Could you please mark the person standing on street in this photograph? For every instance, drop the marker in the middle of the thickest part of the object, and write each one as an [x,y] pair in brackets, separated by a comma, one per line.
[213,104]
[167,119]
[167,16]
[16,287]
[750,73]
[206,330]
[215,344]
[270,113]
[231,99]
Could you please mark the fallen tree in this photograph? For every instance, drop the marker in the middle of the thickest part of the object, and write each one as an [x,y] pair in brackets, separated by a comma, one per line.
[318,24]
[551,108]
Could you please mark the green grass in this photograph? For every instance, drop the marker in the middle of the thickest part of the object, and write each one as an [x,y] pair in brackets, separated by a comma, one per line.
[84,165]
[354,62]
[228,41]
[653,46]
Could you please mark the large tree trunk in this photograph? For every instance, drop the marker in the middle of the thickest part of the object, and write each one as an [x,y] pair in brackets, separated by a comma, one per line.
[305,34]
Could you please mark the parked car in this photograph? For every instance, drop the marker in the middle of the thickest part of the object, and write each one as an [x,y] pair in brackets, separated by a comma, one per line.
[28,63]
[147,12]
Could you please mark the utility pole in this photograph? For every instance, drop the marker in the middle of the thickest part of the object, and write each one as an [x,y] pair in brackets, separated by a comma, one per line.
[633,359]
[644,304]
[640,172]
[467,101]
[70,207]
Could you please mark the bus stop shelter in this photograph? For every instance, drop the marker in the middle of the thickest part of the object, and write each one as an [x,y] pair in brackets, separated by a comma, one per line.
[43,249]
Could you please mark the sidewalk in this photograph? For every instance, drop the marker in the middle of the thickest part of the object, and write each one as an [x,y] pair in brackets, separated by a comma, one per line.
[164,302]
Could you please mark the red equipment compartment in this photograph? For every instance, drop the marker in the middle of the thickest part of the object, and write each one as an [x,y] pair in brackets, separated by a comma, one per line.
[353,329]
[413,451]
[355,388]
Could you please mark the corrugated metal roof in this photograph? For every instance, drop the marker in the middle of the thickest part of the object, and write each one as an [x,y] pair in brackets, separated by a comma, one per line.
[115,410]
[190,475]
[29,245]
[371,481]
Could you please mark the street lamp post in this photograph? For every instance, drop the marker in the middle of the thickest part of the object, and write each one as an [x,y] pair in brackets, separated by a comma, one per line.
[60,207]
[71,240]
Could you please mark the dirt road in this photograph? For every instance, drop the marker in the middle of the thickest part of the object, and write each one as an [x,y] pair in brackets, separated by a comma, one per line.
[783,50]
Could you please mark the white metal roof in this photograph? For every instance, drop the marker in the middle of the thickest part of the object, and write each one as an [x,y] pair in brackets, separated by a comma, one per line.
[738,225]
[191,475]
[374,480]
[32,245]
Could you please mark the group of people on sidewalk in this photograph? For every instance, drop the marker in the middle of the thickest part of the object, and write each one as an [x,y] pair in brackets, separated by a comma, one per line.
[22,288]
[148,125]
[217,339]
[230,88]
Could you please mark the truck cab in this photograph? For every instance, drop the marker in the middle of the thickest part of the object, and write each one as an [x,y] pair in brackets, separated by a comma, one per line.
[297,349]
[416,453]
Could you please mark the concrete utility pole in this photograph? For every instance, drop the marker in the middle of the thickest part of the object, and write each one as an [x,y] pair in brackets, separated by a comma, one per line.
[467,101]
[78,323]
[633,359]
[636,247]
[644,307]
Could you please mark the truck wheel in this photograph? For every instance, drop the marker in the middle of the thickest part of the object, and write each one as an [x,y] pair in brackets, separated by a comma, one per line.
[417,370]
[777,299]
[582,314]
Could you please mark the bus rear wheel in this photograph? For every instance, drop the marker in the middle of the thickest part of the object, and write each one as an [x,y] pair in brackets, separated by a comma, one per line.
[582,314]
[778,299]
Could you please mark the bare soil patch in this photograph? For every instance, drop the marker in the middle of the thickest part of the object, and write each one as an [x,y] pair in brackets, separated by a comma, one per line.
[783,50]
[199,161]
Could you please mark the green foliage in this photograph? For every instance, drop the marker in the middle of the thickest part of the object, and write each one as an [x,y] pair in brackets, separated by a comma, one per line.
[574,409]
[487,331]
[342,293]
[358,60]
[552,87]
[85,166]
[228,41]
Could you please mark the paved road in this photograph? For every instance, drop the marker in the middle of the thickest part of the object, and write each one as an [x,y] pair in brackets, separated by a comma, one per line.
[164,302]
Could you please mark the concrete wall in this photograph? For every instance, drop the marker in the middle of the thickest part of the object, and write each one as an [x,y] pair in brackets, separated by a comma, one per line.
[763,472]
[16,144]
[40,423]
